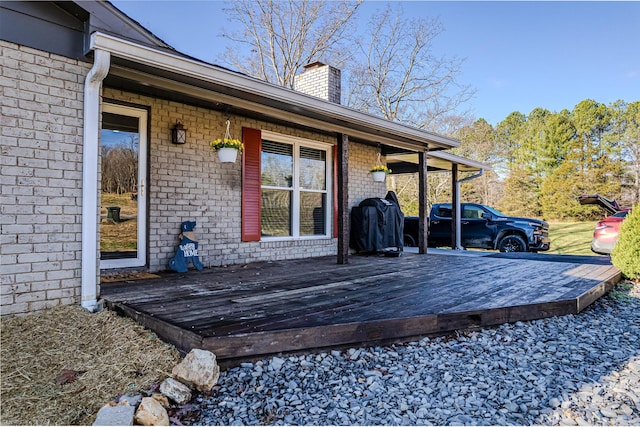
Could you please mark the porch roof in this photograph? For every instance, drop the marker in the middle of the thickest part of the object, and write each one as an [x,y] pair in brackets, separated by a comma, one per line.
[174,76]
[436,161]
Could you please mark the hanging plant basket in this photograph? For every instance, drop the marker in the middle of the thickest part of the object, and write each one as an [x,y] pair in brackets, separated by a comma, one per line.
[227,155]
[379,171]
[227,147]
[378,176]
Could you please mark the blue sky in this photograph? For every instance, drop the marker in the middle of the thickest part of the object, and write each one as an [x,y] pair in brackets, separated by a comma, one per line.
[519,55]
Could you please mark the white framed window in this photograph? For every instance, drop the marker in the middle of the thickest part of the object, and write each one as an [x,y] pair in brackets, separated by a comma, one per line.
[295,182]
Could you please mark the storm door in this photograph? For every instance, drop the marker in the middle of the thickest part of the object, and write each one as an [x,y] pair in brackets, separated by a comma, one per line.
[123,202]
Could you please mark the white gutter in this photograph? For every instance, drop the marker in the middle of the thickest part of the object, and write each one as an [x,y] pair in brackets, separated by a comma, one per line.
[91,119]
[187,67]
[458,246]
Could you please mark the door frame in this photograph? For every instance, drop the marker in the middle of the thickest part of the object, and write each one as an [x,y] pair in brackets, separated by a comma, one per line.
[142,114]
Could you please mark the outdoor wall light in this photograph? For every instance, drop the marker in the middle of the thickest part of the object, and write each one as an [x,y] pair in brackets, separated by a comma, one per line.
[178,134]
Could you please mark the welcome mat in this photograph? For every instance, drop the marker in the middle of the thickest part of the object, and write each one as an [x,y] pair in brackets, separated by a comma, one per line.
[126,277]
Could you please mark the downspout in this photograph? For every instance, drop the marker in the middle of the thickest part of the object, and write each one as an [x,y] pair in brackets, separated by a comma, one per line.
[92,84]
[458,246]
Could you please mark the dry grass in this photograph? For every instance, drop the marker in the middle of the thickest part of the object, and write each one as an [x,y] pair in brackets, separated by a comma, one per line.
[116,354]
[123,235]
[128,207]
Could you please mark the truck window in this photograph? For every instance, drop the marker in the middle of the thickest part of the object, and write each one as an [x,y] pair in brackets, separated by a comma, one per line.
[472,212]
[443,212]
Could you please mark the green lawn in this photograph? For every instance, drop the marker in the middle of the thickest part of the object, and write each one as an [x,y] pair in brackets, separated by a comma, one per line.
[571,238]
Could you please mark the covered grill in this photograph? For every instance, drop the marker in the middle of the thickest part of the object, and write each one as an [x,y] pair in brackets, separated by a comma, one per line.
[377,225]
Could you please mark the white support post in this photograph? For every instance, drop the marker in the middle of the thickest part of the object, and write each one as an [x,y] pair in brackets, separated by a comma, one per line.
[458,236]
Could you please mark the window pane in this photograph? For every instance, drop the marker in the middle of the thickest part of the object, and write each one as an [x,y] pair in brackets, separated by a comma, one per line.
[120,123]
[472,212]
[312,214]
[312,168]
[276,212]
[277,164]
[120,142]
[444,212]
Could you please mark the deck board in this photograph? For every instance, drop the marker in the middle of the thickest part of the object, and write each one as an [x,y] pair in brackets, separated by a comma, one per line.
[264,308]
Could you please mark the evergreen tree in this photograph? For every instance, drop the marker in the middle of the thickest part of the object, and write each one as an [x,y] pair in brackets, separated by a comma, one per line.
[626,253]
[509,140]
[626,130]
[518,196]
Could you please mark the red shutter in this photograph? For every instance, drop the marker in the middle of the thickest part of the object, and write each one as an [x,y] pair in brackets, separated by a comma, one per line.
[335,191]
[251,202]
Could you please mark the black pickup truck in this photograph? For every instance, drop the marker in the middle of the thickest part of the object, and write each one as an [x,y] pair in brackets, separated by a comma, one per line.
[482,227]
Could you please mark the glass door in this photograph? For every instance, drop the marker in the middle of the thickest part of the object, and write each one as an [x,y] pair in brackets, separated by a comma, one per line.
[123,207]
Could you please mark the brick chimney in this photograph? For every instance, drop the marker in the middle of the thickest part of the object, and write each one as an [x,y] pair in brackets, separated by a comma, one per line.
[320,80]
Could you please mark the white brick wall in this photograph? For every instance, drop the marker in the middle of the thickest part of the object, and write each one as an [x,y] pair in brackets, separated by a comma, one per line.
[320,80]
[361,184]
[40,180]
[187,182]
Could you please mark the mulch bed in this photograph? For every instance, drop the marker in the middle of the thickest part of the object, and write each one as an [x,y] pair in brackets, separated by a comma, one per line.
[61,366]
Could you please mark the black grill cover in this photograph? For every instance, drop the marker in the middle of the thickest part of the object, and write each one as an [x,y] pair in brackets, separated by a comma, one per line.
[377,224]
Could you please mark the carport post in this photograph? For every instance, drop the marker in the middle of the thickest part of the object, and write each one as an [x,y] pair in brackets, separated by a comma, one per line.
[455,212]
[423,215]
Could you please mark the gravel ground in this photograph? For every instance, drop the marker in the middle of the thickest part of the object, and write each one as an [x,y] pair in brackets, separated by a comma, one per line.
[570,370]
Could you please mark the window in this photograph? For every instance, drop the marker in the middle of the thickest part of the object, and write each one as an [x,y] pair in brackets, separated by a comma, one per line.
[123,229]
[294,179]
[473,212]
[443,212]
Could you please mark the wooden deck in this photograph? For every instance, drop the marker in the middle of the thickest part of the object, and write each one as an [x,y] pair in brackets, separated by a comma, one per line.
[253,310]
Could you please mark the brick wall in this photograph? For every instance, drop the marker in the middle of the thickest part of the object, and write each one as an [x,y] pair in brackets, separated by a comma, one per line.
[187,182]
[361,184]
[41,182]
[41,178]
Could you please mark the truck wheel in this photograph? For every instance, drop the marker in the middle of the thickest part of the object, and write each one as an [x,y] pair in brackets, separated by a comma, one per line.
[512,243]
[408,241]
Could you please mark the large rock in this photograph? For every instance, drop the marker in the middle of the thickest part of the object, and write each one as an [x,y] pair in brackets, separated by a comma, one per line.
[151,413]
[198,370]
[161,398]
[175,391]
[121,415]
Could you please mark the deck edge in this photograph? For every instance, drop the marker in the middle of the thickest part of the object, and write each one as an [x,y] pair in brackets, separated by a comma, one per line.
[265,343]
[589,297]
[182,339]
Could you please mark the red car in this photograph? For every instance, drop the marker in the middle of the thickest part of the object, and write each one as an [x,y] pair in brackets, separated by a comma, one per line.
[605,235]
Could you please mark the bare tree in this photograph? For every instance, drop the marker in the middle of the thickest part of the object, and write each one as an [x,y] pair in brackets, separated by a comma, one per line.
[399,77]
[120,167]
[283,36]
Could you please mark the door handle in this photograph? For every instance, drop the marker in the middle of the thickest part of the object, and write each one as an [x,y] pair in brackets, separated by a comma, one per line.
[435,222]
[465,222]
[142,187]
